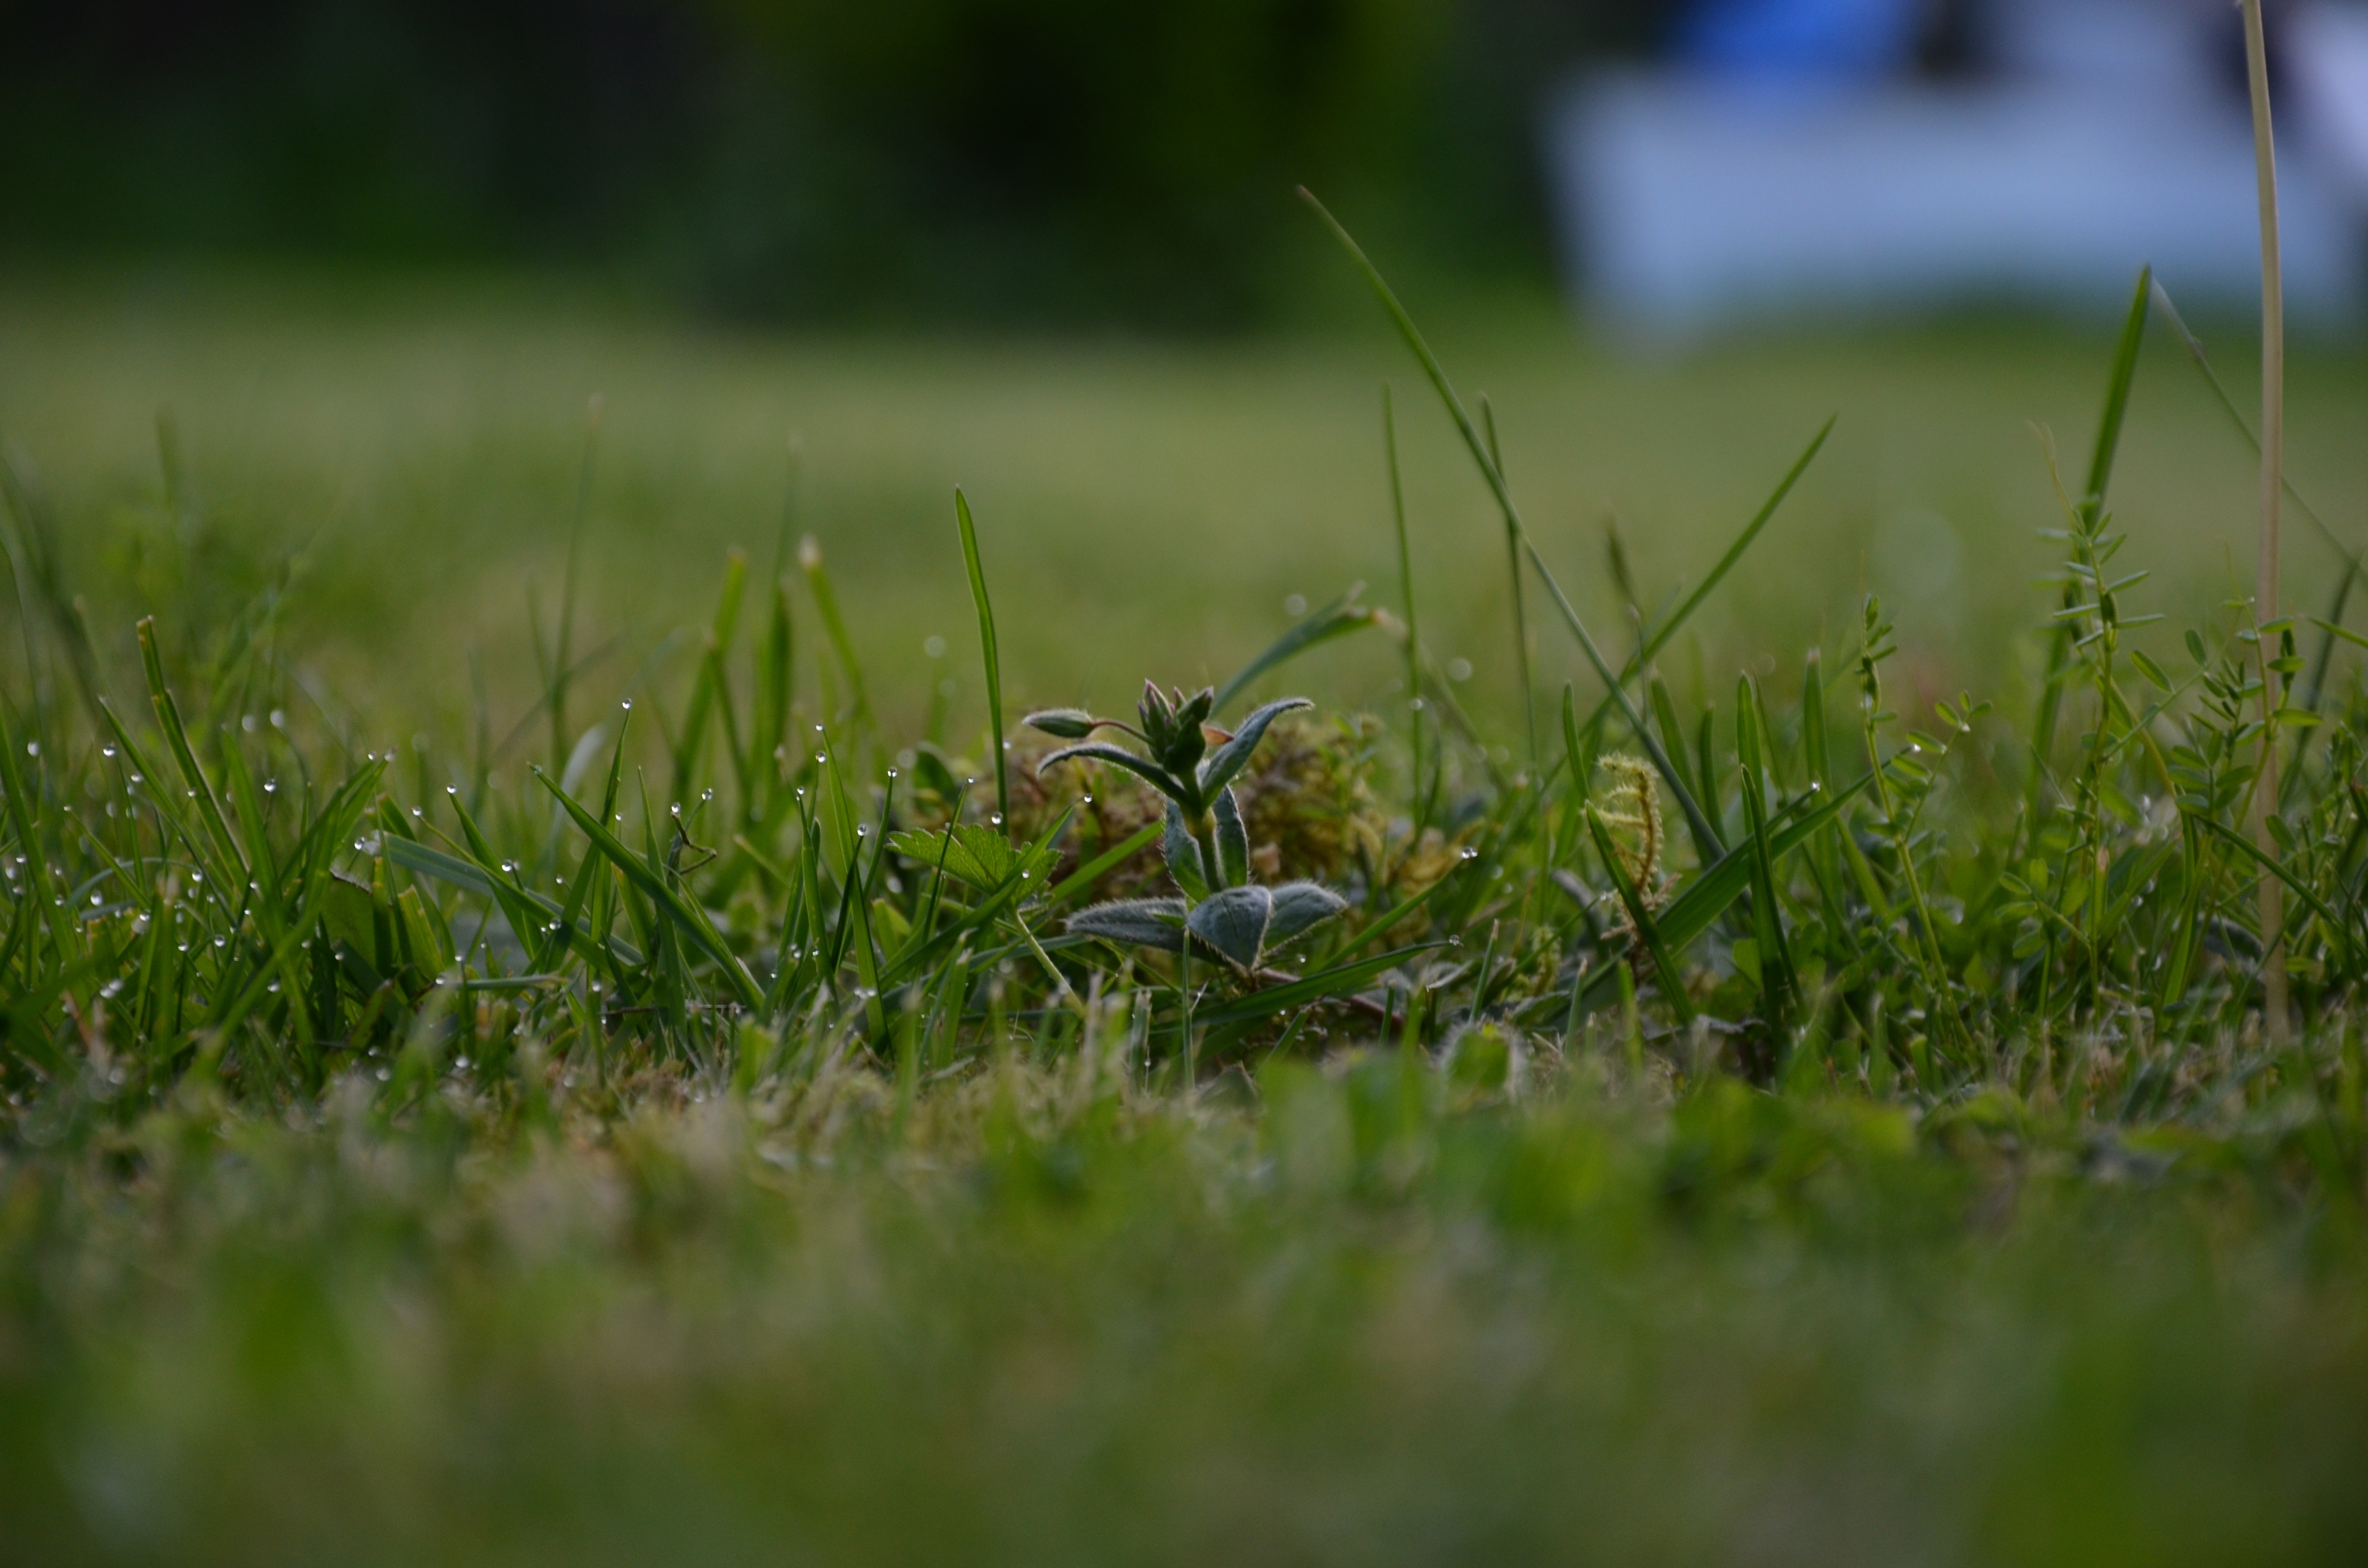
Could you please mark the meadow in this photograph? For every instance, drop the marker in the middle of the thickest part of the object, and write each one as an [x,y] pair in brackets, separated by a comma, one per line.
[534,1037]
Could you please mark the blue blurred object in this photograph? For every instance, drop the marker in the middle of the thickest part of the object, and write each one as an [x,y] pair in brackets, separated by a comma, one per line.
[1807,40]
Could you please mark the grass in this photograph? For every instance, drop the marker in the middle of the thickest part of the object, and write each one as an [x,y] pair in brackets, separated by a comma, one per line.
[649,1083]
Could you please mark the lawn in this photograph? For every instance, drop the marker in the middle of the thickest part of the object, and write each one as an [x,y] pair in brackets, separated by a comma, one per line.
[1856,1131]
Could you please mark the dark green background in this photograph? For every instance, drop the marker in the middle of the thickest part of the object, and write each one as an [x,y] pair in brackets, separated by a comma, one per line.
[1019,162]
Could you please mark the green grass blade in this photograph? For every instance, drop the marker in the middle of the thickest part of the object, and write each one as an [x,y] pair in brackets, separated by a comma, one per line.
[1079,881]
[711,688]
[1495,482]
[651,882]
[1640,914]
[1406,603]
[556,695]
[1520,605]
[2301,888]
[1333,982]
[990,655]
[1338,619]
[2117,390]
[193,778]
[834,626]
[1675,622]
[1777,985]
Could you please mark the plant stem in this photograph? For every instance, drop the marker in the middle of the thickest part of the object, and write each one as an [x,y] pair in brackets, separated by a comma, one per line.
[2265,570]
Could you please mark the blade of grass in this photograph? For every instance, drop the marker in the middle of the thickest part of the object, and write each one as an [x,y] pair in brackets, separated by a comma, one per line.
[834,626]
[1521,606]
[1406,600]
[989,655]
[2093,502]
[1495,482]
[652,884]
[1338,619]
[1640,917]
[560,668]
[1670,625]
[2273,442]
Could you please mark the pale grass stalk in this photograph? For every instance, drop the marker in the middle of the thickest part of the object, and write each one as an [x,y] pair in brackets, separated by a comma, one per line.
[2265,570]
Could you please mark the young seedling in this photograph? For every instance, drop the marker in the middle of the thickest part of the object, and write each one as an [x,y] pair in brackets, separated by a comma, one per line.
[1207,849]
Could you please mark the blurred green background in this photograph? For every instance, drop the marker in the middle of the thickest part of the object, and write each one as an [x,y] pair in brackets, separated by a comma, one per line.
[370,260]
[1009,161]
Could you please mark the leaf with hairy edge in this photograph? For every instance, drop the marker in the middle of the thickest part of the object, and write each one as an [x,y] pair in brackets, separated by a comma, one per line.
[1233,840]
[1147,922]
[1182,853]
[1298,907]
[1233,756]
[1232,924]
[1116,756]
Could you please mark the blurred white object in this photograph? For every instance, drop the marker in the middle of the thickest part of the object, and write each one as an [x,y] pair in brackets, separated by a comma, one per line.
[2106,144]
[2327,60]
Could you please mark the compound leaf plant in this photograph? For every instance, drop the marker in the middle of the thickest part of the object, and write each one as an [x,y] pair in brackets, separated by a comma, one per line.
[1193,763]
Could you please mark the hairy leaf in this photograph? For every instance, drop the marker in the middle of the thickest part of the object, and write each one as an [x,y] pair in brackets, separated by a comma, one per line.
[1146,922]
[1229,760]
[1232,924]
[1298,905]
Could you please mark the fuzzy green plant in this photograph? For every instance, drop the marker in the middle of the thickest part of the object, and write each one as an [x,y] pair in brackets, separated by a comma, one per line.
[1193,763]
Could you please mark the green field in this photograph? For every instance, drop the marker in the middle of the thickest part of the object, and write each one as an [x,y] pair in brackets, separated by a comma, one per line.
[1832,1138]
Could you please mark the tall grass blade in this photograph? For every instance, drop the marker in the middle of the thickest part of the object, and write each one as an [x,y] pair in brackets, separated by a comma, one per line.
[1338,619]
[1640,917]
[2273,443]
[1406,603]
[834,626]
[2092,505]
[561,671]
[990,655]
[1495,482]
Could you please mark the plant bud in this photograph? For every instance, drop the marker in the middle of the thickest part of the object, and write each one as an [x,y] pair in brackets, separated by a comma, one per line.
[1065,723]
